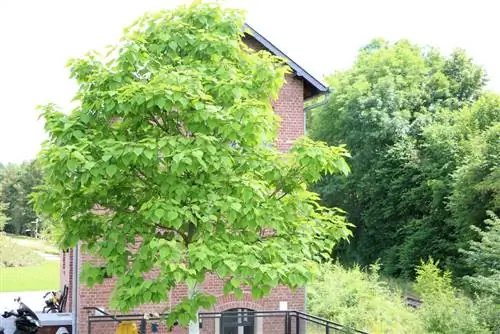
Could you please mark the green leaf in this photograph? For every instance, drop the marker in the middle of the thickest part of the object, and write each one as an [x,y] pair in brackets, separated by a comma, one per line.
[171,215]
[238,293]
[222,271]
[159,213]
[236,207]
[111,170]
[138,151]
[84,118]
[165,252]
[232,265]
[235,282]
[147,296]
[72,164]
[149,154]
[247,194]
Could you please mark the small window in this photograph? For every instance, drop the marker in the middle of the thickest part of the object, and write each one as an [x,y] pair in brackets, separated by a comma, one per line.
[237,321]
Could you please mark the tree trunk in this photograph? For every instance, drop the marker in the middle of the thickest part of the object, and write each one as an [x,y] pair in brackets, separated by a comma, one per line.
[194,326]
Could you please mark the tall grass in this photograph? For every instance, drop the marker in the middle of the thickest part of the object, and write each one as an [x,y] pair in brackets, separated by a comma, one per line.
[445,309]
[14,255]
[361,299]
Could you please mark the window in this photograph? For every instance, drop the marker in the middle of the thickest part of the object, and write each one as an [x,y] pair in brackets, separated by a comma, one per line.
[237,321]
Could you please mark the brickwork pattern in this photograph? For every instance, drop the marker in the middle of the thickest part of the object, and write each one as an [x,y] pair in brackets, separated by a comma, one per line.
[290,108]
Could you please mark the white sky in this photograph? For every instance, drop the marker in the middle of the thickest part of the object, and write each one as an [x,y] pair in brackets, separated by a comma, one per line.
[37,38]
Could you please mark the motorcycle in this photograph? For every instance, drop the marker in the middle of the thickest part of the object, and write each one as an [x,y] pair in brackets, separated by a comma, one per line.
[26,320]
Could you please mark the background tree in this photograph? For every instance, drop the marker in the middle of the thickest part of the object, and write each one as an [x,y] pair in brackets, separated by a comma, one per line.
[476,183]
[412,120]
[17,182]
[167,146]
[3,217]
[484,257]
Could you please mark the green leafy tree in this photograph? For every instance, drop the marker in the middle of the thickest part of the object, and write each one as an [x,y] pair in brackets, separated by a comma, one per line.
[163,170]
[476,183]
[17,182]
[3,206]
[394,110]
[3,217]
[468,141]
[484,257]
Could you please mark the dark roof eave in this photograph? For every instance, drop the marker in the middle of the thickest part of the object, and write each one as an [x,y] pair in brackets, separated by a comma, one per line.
[299,71]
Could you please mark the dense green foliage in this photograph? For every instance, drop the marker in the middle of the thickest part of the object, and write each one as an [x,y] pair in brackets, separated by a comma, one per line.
[3,216]
[447,310]
[362,300]
[169,143]
[424,140]
[484,257]
[17,182]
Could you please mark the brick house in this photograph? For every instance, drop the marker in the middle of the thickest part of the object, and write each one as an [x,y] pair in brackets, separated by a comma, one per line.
[299,86]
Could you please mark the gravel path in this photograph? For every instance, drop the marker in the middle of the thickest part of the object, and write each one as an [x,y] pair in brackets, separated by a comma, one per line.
[48,257]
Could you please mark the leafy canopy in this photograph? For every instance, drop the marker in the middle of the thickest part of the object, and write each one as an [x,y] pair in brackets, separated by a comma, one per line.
[424,154]
[164,170]
[484,256]
[17,182]
[3,217]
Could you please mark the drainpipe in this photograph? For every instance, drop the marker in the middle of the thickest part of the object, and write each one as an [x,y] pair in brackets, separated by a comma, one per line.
[306,109]
[74,291]
[314,106]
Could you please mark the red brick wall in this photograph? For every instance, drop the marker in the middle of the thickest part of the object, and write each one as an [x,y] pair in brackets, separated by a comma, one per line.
[289,107]
[98,297]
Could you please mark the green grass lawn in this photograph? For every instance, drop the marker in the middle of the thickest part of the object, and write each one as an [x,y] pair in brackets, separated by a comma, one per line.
[44,277]
[34,244]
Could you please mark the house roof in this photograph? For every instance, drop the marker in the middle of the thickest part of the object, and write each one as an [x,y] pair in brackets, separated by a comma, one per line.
[313,86]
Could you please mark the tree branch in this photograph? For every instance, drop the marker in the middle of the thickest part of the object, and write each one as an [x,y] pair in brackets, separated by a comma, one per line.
[284,194]
[173,230]
[191,230]
[155,121]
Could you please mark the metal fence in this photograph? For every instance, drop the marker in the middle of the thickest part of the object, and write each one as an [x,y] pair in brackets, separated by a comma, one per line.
[229,322]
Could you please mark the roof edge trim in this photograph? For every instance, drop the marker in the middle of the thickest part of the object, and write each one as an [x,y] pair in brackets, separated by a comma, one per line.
[296,67]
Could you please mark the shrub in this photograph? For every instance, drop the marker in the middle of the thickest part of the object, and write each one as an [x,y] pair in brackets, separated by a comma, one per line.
[363,300]
[487,310]
[445,310]
[15,255]
[359,299]
[484,257]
